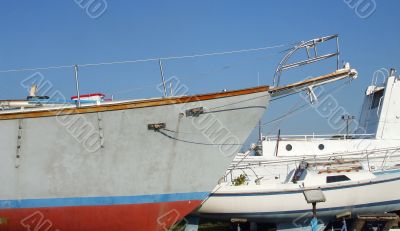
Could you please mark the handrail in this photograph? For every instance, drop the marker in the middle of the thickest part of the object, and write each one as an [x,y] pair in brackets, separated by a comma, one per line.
[379,106]
[307,45]
[346,158]
[313,136]
[364,157]
[348,155]
[376,75]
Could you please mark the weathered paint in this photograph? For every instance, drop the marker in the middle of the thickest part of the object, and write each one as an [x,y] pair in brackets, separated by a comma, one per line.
[45,157]
[149,216]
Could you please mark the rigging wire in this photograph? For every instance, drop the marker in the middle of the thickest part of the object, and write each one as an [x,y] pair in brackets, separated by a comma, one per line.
[196,76]
[229,66]
[146,60]
[298,109]
[276,119]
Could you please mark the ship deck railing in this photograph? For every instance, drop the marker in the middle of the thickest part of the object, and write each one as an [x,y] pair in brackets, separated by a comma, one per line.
[319,137]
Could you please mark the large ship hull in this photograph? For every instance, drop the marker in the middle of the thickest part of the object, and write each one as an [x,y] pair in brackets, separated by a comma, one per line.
[138,165]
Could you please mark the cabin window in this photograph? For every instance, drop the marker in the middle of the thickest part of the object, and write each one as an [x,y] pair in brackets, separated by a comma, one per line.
[289,147]
[339,178]
[321,147]
[377,97]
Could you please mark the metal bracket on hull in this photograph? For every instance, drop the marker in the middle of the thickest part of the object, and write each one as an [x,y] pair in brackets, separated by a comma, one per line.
[311,94]
[19,142]
[156,127]
[195,112]
[388,219]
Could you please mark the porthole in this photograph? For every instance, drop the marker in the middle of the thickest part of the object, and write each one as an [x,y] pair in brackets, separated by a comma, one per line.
[289,147]
[321,147]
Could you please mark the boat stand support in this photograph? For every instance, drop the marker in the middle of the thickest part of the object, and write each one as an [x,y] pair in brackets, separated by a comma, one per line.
[294,227]
[192,223]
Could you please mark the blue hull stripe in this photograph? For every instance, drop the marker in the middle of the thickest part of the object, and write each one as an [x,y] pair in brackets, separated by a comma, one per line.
[93,201]
[359,206]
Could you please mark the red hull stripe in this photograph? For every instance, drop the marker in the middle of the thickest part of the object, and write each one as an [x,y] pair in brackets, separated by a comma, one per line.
[142,217]
[94,201]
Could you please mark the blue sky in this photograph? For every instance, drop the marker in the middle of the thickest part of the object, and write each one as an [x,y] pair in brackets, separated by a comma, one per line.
[48,33]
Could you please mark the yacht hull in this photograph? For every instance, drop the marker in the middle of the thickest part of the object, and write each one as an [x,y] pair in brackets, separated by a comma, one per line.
[283,206]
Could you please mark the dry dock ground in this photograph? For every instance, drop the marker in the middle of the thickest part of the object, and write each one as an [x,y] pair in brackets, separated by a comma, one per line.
[211,225]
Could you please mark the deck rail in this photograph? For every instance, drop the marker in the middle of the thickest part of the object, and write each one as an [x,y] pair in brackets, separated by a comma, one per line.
[320,136]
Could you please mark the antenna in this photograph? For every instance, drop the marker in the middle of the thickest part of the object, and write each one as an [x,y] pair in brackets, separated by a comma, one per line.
[348,119]
[77,86]
[162,78]
[259,122]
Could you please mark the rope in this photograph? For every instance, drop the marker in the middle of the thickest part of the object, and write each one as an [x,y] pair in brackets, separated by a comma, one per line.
[192,142]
